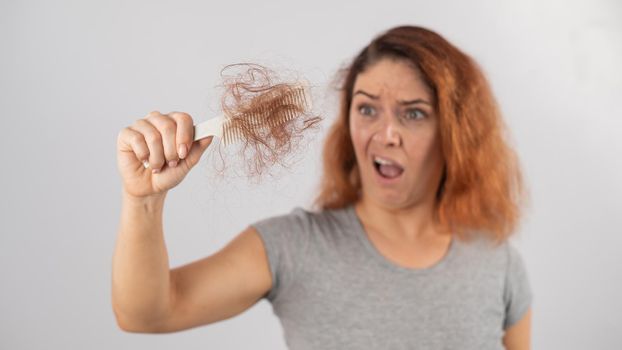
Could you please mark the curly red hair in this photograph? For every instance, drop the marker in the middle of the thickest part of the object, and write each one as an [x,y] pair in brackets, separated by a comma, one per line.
[481,189]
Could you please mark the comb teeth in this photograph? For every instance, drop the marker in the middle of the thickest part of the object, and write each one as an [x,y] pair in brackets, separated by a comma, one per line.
[288,105]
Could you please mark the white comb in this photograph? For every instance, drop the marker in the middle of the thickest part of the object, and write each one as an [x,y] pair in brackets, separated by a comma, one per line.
[221,125]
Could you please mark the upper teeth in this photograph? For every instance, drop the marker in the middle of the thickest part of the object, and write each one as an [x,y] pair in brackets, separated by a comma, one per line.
[382,161]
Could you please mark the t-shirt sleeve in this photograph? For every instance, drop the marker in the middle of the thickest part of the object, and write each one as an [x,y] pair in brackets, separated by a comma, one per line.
[517,294]
[285,239]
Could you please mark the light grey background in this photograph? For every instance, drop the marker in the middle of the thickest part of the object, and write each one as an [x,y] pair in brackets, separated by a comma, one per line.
[74,73]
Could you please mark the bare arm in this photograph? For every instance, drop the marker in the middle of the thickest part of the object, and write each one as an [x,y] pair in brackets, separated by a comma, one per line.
[518,337]
[150,298]
[220,286]
[153,156]
[141,292]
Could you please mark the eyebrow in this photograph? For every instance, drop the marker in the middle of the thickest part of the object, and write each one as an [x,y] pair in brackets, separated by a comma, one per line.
[374,97]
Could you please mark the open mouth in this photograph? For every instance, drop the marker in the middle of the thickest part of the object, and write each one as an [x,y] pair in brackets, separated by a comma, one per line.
[387,168]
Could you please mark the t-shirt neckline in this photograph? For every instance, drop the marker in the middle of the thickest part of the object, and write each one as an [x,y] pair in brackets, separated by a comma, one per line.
[360,232]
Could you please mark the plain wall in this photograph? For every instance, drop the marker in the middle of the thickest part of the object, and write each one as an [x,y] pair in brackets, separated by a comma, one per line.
[74,73]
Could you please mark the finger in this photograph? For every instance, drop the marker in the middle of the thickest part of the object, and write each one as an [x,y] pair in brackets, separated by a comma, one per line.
[185,132]
[153,139]
[197,150]
[168,129]
[133,141]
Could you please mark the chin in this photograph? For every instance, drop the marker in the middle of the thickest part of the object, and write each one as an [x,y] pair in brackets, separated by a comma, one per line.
[392,200]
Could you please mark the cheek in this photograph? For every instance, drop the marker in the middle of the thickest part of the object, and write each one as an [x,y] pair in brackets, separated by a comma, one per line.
[425,147]
[359,135]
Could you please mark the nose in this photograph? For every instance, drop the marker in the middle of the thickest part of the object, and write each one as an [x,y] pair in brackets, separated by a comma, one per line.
[389,134]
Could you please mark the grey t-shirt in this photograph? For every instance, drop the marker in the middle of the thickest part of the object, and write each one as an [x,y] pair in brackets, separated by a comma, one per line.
[332,289]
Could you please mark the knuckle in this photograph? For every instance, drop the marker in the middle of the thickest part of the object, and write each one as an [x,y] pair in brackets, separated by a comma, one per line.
[140,122]
[183,116]
[135,137]
[121,134]
[140,154]
[153,137]
[153,114]
[184,123]
[168,126]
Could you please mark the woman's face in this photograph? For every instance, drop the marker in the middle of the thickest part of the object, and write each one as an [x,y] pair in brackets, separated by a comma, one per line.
[395,135]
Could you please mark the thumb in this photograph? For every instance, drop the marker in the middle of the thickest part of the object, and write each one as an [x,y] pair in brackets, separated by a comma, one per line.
[197,150]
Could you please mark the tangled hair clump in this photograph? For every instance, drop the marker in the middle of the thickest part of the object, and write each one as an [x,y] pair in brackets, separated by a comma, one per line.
[267,116]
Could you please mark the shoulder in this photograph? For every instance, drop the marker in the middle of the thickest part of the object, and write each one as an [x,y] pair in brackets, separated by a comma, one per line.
[481,246]
[290,238]
[303,220]
[500,267]
[284,221]
[501,259]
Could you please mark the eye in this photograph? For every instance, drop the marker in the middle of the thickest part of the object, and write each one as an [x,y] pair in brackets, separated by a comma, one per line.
[366,110]
[415,114]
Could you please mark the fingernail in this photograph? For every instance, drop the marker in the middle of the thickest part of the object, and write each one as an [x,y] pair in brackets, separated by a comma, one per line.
[172,163]
[182,150]
[155,171]
[146,164]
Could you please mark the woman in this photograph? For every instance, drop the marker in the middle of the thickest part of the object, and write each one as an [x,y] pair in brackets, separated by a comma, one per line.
[409,248]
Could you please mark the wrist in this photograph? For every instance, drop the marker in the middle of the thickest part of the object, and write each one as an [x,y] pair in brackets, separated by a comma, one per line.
[150,203]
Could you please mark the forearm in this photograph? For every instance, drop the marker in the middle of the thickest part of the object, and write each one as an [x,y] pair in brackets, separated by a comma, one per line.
[141,293]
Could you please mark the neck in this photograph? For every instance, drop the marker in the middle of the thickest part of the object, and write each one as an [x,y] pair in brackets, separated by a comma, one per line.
[408,224]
